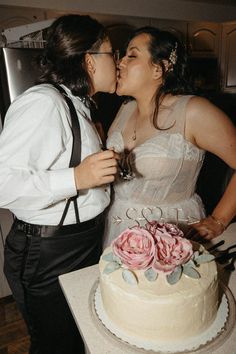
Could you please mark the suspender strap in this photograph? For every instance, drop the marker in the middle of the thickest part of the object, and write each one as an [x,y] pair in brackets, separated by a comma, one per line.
[75,126]
[76,150]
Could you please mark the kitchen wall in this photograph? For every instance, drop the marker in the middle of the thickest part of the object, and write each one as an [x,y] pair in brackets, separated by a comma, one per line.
[165,9]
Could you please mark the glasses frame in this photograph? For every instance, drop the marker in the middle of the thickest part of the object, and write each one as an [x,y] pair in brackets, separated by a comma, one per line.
[115,54]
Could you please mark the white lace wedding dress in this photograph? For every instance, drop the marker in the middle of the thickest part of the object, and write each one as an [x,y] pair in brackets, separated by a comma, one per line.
[165,166]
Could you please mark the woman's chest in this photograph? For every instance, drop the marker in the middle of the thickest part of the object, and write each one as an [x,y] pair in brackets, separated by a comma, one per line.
[158,157]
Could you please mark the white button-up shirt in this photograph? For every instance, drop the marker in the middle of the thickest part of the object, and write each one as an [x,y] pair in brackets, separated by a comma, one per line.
[35,151]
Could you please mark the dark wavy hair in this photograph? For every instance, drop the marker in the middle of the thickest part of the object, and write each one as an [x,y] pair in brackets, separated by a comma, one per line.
[63,60]
[175,76]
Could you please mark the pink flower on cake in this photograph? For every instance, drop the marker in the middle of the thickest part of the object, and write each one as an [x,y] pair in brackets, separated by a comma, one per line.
[135,248]
[171,250]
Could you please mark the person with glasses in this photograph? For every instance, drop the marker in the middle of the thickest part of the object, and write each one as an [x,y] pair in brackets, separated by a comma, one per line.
[115,54]
[102,114]
[55,178]
[162,135]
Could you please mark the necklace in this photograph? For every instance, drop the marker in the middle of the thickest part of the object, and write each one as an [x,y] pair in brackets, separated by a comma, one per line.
[134,136]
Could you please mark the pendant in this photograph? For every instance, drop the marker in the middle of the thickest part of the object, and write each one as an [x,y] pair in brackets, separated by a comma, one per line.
[134,136]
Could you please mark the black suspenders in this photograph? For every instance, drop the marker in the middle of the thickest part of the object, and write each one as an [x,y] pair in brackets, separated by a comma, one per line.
[76,150]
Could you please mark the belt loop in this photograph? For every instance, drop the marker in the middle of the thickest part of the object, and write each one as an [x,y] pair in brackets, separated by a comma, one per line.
[28,229]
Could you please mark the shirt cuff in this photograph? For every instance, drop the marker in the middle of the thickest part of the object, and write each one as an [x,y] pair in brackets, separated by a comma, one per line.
[62,184]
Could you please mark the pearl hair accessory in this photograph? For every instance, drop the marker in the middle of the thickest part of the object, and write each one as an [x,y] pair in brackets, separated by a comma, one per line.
[173,55]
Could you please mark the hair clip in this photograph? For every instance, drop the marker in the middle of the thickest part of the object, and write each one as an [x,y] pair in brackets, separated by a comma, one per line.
[173,55]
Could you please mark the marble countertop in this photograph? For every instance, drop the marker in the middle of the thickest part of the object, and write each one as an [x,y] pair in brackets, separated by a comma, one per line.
[78,288]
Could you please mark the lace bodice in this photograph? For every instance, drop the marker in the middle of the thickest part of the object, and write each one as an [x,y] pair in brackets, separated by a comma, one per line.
[166,166]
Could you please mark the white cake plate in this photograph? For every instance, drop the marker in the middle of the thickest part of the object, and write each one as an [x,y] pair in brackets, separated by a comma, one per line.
[211,339]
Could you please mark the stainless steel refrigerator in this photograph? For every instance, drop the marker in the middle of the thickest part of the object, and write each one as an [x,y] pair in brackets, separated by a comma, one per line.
[18,71]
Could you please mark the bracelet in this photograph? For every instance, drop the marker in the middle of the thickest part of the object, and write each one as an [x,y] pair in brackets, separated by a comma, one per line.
[219,222]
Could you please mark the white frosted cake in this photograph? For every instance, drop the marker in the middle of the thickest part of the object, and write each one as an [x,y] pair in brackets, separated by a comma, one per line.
[157,285]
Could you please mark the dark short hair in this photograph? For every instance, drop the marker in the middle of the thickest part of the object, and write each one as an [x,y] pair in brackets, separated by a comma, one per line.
[63,59]
[162,43]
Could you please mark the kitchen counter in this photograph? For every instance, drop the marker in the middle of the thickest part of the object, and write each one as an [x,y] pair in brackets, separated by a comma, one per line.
[79,286]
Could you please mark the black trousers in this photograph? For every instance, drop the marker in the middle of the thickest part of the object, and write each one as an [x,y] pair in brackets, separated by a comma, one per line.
[32,265]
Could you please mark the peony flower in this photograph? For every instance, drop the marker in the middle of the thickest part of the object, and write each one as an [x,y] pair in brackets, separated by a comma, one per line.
[171,250]
[135,247]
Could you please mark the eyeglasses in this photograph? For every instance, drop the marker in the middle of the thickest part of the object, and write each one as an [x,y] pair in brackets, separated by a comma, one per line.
[115,54]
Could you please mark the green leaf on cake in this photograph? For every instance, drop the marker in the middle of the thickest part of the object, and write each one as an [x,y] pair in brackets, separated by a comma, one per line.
[117,259]
[191,272]
[111,267]
[109,257]
[204,258]
[150,274]
[129,277]
[174,277]
[190,263]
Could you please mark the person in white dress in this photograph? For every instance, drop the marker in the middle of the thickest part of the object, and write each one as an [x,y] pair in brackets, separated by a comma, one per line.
[162,135]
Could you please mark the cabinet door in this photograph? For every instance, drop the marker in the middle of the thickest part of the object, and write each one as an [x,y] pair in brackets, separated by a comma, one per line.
[228,58]
[204,39]
[178,28]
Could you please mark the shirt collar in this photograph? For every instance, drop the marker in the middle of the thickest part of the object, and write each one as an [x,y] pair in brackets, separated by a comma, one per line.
[78,101]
